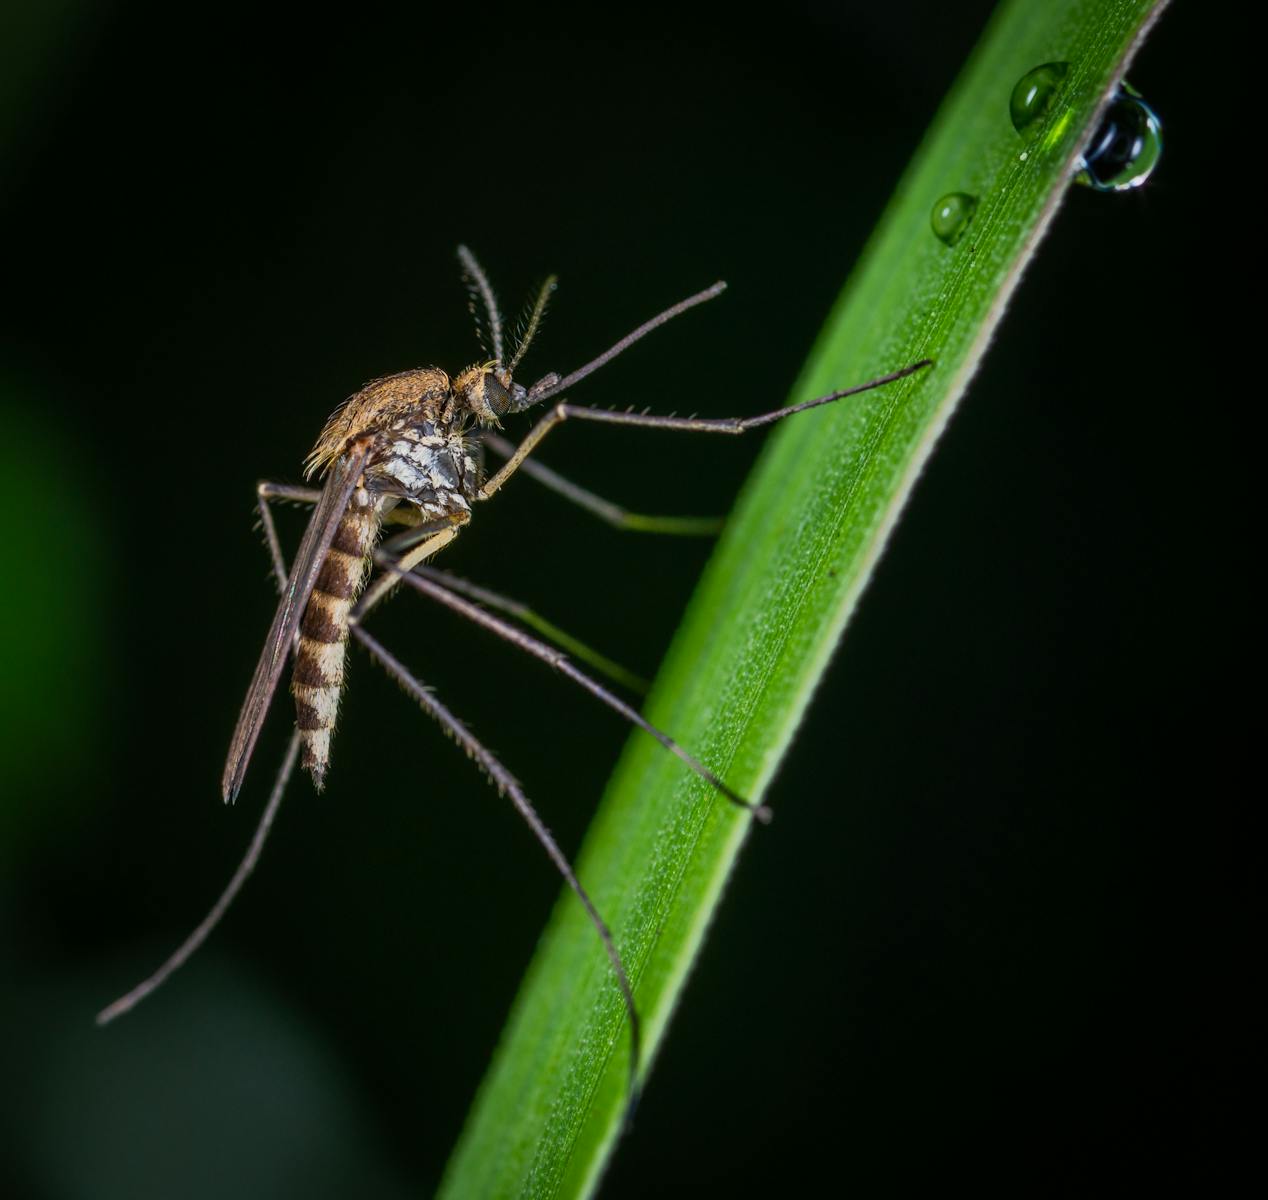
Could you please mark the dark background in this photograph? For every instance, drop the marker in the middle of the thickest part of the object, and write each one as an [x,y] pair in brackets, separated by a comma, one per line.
[985,940]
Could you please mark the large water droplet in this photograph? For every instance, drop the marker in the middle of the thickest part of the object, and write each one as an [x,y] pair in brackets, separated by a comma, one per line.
[1032,97]
[1126,147]
[951,215]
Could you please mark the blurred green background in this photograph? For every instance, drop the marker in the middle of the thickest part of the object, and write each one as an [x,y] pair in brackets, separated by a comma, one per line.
[980,940]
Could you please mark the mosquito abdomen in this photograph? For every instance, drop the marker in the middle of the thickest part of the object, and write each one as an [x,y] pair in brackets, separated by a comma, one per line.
[323,633]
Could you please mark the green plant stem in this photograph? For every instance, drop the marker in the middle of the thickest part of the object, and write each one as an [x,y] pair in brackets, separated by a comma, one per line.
[796,554]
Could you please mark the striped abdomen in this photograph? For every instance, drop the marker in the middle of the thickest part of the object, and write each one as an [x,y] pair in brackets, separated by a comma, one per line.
[323,633]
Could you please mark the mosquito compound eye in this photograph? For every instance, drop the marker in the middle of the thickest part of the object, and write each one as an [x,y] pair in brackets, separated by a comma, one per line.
[493,396]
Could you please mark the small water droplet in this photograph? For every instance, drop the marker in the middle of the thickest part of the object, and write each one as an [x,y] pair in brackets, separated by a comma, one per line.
[1126,147]
[1032,97]
[951,216]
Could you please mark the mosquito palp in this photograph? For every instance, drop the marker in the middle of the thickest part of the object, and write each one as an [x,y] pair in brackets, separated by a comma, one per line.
[552,385]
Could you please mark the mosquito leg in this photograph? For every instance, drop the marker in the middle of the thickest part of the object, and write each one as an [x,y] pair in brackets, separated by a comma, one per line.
[555,659]
[728,425]
[212,919]
[605,510]
[419,532]
[493,484]
[264,493]
[267,490]
[432,537]
[551,632]
[507,785]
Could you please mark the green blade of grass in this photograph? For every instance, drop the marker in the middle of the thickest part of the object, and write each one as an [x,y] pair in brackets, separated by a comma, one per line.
[796,554]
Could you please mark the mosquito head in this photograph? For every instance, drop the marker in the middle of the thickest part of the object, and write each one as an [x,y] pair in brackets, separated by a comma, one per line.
[486,391]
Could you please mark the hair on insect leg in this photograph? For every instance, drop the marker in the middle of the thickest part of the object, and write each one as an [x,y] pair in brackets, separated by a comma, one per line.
[534,620]
[227,897]
[386,584]
[613,514]
[552,383]
[265,492]
[563,411]
[405,541]
[507,785]
[401,451]
[268,490]
[557,660]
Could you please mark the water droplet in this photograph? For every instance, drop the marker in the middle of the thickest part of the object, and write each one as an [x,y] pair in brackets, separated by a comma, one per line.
[1032,97]
[1126,147]
[951,216]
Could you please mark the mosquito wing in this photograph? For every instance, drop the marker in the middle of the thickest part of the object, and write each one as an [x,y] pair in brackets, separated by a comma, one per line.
[340,484]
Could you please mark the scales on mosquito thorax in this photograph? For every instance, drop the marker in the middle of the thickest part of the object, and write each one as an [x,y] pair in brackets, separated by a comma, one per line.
[408,451]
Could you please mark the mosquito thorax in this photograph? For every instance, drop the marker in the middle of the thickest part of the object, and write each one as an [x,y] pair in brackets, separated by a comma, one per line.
[394,402]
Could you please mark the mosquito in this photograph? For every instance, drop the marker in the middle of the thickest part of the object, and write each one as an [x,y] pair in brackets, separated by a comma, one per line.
[408,450]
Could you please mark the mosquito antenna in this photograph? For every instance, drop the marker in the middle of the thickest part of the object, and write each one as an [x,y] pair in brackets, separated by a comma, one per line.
[479,288]
[552,385]
[212,919]
[530,326]
[507,785]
